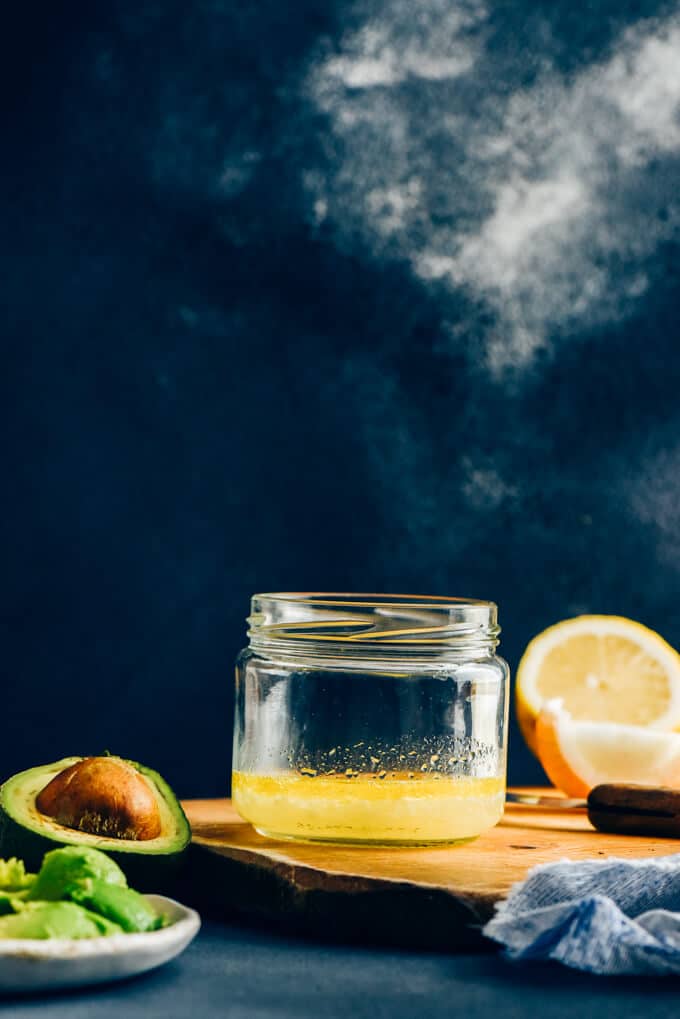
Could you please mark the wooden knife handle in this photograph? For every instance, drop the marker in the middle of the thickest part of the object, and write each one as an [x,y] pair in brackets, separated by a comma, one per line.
[635,810]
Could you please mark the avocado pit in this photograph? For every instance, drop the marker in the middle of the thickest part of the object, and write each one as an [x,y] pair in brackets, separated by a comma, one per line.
[102,796]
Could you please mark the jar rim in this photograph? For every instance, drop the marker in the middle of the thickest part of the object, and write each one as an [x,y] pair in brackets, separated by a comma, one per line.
[371,621]
[366,599]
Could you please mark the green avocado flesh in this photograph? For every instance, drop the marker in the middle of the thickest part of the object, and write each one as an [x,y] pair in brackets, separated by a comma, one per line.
[62,869]
[50,920]
[15,884]
[78,893]
[122,906]
[28,834]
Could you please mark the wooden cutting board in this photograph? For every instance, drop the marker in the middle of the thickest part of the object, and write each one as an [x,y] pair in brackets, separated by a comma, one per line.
[416,897]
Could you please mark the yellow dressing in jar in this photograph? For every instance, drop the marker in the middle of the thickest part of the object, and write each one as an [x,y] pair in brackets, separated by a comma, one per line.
[393,809]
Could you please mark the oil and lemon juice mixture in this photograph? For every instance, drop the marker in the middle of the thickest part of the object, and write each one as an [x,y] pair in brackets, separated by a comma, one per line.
[397,807]
[429,790]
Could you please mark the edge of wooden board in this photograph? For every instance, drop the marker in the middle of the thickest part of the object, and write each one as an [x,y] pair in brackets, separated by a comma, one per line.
[294,898]
[233,873]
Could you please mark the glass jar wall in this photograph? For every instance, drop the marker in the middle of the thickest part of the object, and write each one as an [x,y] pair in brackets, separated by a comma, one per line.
[370,719]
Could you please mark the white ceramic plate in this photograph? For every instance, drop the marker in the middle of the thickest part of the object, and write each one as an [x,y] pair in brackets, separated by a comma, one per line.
[44,965]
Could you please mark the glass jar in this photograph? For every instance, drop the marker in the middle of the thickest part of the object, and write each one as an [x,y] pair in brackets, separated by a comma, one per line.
[370,719]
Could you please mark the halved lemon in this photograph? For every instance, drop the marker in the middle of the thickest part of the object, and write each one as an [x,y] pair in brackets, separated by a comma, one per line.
[604,669]
[579,755]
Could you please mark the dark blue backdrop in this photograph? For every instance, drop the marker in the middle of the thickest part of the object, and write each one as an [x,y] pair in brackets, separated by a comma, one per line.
[356,296]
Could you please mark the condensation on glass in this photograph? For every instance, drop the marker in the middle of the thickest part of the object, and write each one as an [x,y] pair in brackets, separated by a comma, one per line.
[370,719]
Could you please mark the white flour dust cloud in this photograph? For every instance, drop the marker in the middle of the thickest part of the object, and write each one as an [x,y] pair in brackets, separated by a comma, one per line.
[653,495]
[407,41]
[541,204]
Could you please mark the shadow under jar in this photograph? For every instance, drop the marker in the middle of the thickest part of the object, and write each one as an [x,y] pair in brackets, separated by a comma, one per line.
[370,719]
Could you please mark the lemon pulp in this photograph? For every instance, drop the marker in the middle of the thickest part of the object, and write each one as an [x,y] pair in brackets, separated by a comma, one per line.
[398,808]
[603,669]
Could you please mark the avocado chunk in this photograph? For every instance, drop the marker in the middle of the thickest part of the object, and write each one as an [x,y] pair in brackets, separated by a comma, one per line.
[44,920]
[62,869]
[118,806]
[13,876]
[122,906]
[8,901]
[105,927]
[15,884]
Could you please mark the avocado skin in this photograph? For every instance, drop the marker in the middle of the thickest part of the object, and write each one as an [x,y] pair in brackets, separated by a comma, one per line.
[157,871]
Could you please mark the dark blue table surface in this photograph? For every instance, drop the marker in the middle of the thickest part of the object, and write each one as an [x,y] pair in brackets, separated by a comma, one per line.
[238,972]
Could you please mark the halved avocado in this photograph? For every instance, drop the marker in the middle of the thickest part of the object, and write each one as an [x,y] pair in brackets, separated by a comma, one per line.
[118,806]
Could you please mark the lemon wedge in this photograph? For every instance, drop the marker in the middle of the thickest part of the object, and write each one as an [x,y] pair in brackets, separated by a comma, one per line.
[576,755]
[603,669]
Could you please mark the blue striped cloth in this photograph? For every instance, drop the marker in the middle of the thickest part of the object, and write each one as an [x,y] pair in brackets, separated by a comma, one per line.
[602,916]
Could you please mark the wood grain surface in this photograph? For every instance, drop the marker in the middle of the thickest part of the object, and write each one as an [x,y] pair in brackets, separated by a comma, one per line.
[427,897]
